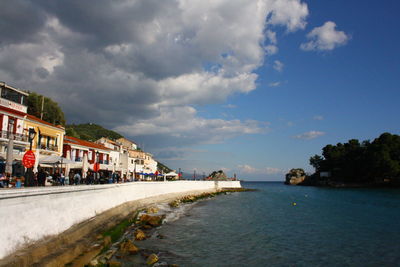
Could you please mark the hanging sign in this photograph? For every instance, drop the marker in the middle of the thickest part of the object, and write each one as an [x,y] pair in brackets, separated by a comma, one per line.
[29,159]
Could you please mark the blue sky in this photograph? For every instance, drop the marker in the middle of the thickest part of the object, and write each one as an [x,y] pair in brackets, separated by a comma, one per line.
[250,87]
[348,92]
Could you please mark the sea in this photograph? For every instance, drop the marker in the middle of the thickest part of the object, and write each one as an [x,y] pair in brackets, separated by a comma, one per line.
[281,225]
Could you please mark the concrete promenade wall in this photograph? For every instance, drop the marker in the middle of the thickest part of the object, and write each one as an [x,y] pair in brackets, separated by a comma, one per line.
[30,214]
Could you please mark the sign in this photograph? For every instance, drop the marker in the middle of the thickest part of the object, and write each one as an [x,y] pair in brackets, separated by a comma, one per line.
[15,106]
[29,159]
[96,167]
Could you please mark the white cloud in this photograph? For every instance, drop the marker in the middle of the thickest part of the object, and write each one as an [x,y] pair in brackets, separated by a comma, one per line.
[248,169]
[183,125]
[230,106]
[309,135]
[147,63]
[325,37]
[278,66]
[274,84]
[318,118]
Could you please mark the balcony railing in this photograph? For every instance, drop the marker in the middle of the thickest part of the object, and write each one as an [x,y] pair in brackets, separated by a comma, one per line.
[16,137]
[49,147]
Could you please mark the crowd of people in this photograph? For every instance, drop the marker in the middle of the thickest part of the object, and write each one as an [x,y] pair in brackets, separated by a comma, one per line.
[57,178]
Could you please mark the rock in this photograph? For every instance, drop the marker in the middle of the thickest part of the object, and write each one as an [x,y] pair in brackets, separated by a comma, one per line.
[174,204]
[218,175]
[94,262]
[152,210]
[114,264]
[99,237]
[107,241]
[139,235]
[127,247]
[151,220]
[295,176]
[153,258]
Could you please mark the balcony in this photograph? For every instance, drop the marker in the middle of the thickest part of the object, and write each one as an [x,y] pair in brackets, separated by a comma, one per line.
[16,137]
[49,147]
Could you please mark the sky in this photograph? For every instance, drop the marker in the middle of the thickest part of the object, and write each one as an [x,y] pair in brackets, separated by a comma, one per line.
[250,87]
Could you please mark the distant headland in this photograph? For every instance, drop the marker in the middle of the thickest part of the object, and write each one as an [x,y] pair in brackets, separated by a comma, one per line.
[354,164]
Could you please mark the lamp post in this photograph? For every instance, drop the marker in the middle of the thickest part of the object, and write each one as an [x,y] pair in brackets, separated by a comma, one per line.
[29,172]
[97,167]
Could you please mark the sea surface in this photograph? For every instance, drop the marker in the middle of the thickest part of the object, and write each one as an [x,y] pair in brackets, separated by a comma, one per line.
[282,225]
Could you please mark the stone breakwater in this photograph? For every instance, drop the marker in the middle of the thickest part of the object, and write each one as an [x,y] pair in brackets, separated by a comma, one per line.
[38,221]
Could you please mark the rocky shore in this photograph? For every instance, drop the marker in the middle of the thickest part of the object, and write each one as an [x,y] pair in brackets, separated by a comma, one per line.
[110,238]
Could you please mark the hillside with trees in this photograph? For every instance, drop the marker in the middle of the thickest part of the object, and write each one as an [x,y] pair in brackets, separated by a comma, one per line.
[362,163]
[51,111]
[90,132]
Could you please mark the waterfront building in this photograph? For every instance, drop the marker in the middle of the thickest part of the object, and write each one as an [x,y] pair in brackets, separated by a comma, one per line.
[85,154]
[13,109]
[116,150]
[49,138]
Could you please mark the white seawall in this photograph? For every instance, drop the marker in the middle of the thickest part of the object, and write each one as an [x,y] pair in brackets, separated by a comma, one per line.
[30,214]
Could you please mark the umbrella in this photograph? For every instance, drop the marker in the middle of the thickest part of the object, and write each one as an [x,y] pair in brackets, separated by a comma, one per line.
[35,167]
[10,148]
[85,165]
[67,166]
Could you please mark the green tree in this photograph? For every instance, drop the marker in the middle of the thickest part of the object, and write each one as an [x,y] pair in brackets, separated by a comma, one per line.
[316,162]
[52,113]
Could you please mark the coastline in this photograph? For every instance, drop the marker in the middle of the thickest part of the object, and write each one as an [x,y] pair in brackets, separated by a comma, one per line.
[69,244]
[64,248]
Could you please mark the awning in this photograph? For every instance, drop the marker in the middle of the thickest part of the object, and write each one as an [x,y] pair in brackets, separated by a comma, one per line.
[54,159]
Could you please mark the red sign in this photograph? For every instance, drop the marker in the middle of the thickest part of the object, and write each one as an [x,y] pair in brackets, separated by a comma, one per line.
[96,167]
[29,159]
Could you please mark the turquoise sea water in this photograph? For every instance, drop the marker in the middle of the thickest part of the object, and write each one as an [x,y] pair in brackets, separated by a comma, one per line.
[326,227]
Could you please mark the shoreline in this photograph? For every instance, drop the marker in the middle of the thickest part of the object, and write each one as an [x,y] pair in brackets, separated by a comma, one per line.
[81,240]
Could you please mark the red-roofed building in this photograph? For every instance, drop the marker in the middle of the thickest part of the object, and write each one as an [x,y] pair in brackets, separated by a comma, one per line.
[77,149]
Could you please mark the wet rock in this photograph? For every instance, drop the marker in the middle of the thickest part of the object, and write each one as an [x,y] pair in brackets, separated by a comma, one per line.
[127,247]
[152,210]
[151,220]
[153,258]
[139,235]
[174,204]
[114,264]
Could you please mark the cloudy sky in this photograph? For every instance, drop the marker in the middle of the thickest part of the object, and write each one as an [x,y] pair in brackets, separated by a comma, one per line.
[250,87]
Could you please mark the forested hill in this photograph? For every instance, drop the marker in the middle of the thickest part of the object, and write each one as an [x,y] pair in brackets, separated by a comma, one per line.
[90,132]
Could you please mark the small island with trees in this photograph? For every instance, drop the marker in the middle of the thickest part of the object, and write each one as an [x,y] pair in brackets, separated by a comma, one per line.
[354,164]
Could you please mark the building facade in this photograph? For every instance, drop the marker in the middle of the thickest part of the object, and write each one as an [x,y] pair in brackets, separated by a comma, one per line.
[13,109]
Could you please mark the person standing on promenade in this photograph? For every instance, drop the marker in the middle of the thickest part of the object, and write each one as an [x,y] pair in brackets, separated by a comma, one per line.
[89,178]
[77,178]
[62,179]
[41,176]
[71,178]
